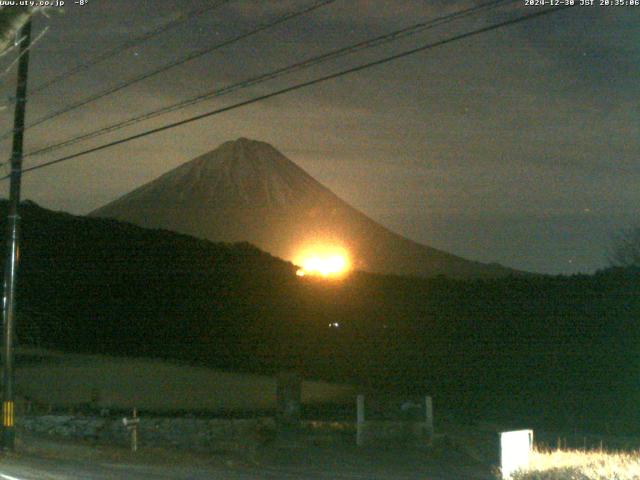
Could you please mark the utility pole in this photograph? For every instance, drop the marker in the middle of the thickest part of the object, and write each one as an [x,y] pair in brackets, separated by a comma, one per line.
[13,243]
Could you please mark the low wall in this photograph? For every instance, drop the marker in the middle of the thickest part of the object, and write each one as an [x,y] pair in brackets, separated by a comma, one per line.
[372,432]
[187,433]
[201,434]
[390,431]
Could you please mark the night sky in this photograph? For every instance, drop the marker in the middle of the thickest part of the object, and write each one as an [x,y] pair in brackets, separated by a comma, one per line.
[518,146]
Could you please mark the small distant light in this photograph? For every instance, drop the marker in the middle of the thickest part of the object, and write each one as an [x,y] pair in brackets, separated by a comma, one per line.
[334,325]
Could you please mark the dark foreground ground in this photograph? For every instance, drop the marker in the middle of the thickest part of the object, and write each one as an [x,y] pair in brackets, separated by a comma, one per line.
[45,459]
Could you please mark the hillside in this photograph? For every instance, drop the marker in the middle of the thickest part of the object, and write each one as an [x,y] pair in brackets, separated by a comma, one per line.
[247,190]
[560,349]
[67,380]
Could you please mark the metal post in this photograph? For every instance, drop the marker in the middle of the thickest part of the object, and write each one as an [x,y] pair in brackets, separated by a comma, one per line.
[132,424]
[360,421]
[134,431]
[289,399]
[13,243]
[428,403]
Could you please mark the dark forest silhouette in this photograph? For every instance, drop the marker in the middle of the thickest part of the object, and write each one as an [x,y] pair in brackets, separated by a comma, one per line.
[559,350]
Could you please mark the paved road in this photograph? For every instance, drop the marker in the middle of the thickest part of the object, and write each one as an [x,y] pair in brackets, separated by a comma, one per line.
[39,458]
[41,469]
[287,464]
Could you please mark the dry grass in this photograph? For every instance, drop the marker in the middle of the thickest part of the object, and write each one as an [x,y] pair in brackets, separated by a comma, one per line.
[581,465]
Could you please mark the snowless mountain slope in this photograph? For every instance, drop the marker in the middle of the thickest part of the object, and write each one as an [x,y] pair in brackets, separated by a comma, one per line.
[246,190]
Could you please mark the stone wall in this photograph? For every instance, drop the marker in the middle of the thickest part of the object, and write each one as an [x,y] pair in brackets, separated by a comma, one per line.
[373,432]
[188,433]
[209,434]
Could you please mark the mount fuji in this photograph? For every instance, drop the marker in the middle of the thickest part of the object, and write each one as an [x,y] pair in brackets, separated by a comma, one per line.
[246,190]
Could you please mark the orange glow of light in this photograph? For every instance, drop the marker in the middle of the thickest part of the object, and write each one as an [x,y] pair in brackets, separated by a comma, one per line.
[323,261]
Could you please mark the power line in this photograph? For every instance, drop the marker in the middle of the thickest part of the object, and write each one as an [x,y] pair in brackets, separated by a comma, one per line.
[298,87]
[129,44]
[8,69]
[332,55]
[169,66]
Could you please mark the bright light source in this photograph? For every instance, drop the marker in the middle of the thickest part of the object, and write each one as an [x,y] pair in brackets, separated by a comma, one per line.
[515,448]
[325,266]
[322,261]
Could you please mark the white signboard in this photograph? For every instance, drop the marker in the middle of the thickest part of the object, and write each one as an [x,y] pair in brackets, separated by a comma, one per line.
[515,448]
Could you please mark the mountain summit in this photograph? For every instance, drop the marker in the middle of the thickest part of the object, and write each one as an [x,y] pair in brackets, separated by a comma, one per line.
[246,190]
[239,174]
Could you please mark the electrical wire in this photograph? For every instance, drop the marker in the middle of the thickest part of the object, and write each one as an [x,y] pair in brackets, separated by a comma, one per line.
[127,45]
[298,86]
[332,55]
[169,66]
[8,69]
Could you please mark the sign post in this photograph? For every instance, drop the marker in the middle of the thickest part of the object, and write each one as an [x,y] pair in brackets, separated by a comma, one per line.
[132,425]
[515,449]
